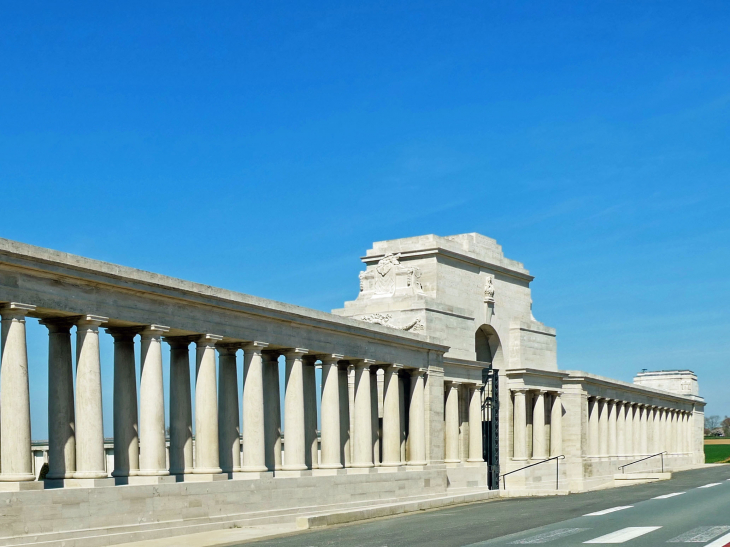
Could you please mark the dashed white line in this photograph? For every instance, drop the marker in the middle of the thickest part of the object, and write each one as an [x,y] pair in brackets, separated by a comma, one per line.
[720,542]
[710,485]
[701,534]
[607,511]
[665,496]
[547,537]
[624,535]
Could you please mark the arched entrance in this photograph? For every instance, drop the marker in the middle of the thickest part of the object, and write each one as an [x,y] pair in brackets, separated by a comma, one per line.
[489,351]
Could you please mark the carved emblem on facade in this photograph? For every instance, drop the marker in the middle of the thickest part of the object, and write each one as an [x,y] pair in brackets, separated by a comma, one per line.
[390,277]
[489,289]
[384,319]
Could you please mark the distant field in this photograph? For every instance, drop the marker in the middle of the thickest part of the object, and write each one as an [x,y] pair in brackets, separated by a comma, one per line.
[716,452]
[716,441]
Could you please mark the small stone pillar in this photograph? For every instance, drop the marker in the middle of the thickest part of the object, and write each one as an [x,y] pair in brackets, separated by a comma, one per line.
[476,450]
[644,429]
[603,427]
[311,444]
[556,426]
[612,441]
[61,422]
[126,433]
[90,456]
[152,457]
[229,427]
[181,413]
[253,418]
[345,433]
[272,406]
[374,417]
[15,454]
[363,434]
[417,419]
[538,426]
[620,429]
[520,425]
[331,444]
[206,407]
[295,459]
[391,417]
[451,423]
[594,446]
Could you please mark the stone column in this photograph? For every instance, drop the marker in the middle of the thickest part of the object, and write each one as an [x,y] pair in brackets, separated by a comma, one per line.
[612,445]
[628,429]
[620,429]
[636,444]
[152,456]
[476,453]
[331,444]
[126,434]
[61,423]
[363,434]
[15,452]
[673,431]
[417,419]
[181,413]
[644,428]
[556,426]
[272,414]
[206,406]
[345,433]
[603,427]
[403,419]
[374,417]
[254,407]
[451,423]
[90,456]
[311,451]
[391,417]
[659,429]
[594,448]
[229,426]
[538,426]
[520,425]
[294,427]
[682,432]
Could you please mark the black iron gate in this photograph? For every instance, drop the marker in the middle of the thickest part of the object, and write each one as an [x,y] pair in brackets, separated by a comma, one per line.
[490,425]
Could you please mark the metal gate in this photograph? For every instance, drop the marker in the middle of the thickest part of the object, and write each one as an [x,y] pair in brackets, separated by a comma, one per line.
[490,425]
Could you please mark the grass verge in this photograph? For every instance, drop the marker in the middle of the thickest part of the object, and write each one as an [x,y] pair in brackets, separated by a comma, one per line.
[715,453]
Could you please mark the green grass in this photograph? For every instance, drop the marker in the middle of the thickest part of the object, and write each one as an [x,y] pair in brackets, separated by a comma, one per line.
[716,452]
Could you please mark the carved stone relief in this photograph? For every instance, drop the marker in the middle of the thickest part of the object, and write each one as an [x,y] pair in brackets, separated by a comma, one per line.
[384,319]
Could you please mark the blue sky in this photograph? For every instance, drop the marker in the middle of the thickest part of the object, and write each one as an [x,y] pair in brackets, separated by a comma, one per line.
[263,147]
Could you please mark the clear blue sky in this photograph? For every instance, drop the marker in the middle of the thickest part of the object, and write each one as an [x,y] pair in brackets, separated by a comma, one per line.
[263,147]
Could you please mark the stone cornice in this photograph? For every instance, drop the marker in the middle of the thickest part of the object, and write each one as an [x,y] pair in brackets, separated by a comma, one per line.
[69,268]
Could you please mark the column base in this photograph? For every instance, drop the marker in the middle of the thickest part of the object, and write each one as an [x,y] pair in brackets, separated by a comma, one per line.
[330,466]
[152,473]
[252,469]
[16,477]
[136,480]
[185,471]
[207,471]
[361,470]
[91,475]
[292,473]
[21,486]
[476,462]
[203,477]
[79,483]
[328,471]
[67,475]
[250,476]
[391,468]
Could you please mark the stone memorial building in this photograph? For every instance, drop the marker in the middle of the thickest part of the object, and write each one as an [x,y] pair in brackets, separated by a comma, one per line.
[438,386]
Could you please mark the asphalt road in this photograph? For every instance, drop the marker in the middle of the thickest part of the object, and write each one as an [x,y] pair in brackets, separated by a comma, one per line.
[687,511]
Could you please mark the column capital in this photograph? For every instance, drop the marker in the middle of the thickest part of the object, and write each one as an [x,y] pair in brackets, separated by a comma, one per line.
[228,348]
[58,324]
[208,340]
[556,392]
[153,331]
[122,333]
[178,341]
[394,366]
[91,321]
[418,371]
[15,309]
[294,353]
[364,364]
[331,358]
[271,355]
[522,390]
[255,346]
[453,383]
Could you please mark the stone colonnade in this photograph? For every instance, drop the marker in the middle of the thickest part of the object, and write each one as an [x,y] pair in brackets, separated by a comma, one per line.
[76,439]
[547,409]
[471,394]
[619,429]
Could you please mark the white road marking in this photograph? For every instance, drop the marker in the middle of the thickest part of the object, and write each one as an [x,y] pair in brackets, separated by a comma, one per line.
[549,536]
[710,485]
[701,534]
[665,496]
[621,536]
[720,542]
[607,511]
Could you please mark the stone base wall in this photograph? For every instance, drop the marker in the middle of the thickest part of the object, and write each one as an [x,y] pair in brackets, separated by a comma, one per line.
[92,517]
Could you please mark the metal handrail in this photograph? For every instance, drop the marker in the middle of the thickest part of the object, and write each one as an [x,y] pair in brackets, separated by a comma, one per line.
[622,467]
[557,470]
